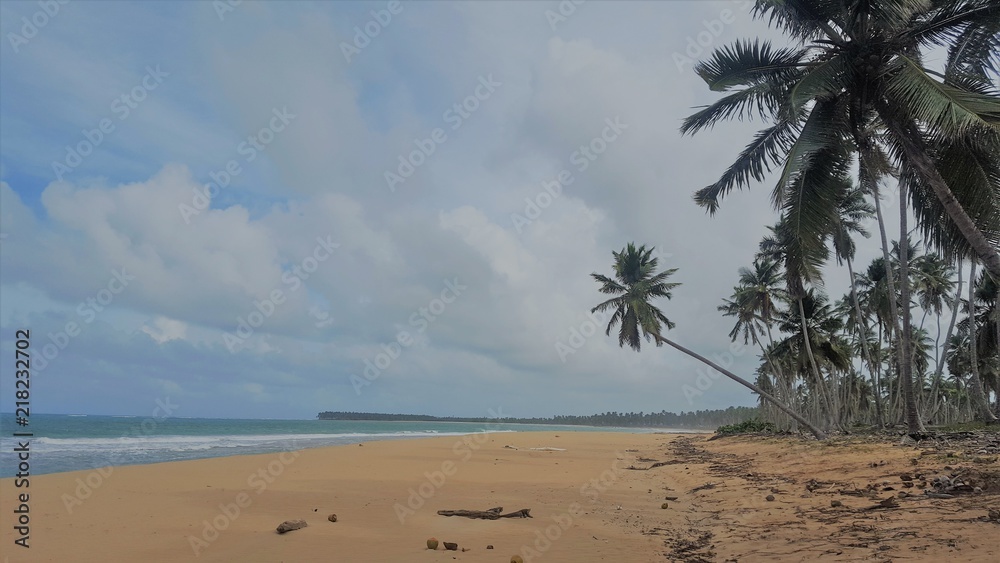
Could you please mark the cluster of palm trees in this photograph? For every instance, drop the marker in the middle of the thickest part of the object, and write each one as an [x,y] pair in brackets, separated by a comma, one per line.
[836,362]
[852,109]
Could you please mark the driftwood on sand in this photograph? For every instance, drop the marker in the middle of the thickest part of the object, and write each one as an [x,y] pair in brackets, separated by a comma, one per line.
[491,514]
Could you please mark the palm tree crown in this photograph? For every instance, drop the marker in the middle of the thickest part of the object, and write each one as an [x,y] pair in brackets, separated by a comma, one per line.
[634,285]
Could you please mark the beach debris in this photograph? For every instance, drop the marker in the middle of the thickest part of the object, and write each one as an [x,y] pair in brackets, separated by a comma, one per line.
[289,525]
[704,487]
[332,517]
[769,498]
[664,506]
[516,559]
[451,546]
[655,465]
[491,514]
[432,543]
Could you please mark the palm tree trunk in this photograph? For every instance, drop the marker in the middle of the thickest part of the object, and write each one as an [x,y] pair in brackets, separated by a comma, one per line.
[978,396]
[820,384]
[819,434]
[943,357]
[913,423]
[864,347]
[916,156]
[893,308]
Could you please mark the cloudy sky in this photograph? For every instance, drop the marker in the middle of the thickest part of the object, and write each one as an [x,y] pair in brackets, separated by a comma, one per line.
[243,207]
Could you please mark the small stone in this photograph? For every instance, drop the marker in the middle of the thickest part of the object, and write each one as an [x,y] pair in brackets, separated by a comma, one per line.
[664,506]
[903,494]
[977,489]
[289,525]
[516,559]
[769,498]
[432,543]
[332,517]
[774,490]
[905,477]
[836,503]
[489,546]
[451,546]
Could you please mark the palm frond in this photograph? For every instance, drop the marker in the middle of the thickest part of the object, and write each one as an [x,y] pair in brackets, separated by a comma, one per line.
[947,111]
[746,64]
[765,152]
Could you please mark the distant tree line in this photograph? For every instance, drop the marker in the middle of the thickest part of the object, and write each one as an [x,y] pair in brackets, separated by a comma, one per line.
[707,419]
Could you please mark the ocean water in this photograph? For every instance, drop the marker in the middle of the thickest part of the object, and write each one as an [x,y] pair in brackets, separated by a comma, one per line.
[75,442]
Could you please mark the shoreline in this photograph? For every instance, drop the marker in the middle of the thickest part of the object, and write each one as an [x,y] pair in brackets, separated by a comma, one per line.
[593,496]
[60,452]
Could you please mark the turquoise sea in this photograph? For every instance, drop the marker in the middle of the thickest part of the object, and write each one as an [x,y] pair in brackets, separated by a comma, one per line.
[74,442]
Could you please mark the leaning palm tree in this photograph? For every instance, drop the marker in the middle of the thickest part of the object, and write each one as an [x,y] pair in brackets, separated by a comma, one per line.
[635,284]
[856,86]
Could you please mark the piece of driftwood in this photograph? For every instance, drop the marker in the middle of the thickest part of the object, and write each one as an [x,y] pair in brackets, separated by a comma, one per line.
[704,487]
[491,514]
[655,465]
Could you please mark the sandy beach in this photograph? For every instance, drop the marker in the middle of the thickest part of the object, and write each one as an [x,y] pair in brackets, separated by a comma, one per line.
[592,497]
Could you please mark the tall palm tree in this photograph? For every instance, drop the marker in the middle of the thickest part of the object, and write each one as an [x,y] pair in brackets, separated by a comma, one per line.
[943,354]
[976,391]
[635,284]
[976,327]
[817,340]
[801,261]
[856,85]
[853,210]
